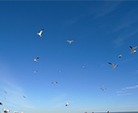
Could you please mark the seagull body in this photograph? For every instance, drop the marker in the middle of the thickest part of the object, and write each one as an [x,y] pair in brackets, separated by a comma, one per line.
[83,66]
[40,33]
[67,104]
[132,49]
[35,71]
[54,82]
[120,56]
[70,41]
[113,65]
[35,59]
[5,92]
[24,96]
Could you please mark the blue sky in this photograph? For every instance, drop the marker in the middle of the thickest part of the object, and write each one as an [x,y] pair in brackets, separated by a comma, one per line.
[102,30]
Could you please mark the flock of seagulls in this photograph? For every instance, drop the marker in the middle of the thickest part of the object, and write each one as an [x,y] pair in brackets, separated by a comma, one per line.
[55,82]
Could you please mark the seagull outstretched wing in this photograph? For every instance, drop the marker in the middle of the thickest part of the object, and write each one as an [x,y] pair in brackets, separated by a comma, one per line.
[132,49]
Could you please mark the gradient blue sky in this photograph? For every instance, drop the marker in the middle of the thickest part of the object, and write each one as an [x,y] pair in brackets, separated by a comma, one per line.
[102,30]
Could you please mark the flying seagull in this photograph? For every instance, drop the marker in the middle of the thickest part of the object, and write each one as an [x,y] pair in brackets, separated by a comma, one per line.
[5,111]
[35,59]
[40,33]
[132,49]
[1,103]
[70,41]
[5,92]
[67,104]
[102,89]
[24,96]
[54,82]
[60,71]
[120,56]
[83,66]
[113,65]
[35,71]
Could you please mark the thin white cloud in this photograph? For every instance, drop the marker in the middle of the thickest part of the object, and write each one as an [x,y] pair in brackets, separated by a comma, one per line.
[125,91]
[106,8]
[132,87]
[120,39]
[14,96]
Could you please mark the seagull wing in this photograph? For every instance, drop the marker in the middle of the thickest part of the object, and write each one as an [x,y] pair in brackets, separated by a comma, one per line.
[41,31]
[72,40]
[131,48]
[135,47]
[67,40]
[111,64]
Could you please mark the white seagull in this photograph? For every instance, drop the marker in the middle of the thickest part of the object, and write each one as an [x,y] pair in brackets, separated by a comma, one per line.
[67,104]
[40,33]
[83,66]
[70,41]
[5,111]
[35,71]
[54,82]
[132,49]
[35,59]
[113,65]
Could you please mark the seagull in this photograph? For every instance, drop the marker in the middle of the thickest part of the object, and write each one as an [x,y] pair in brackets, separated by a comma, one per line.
[60,71]
[70,41]
[83,66]
[113,65]
[102,89]
[132,48]
[67,104]
[120,56]
[5,111]
[24,96]
[40,33]
[1,103]
[35,59]
[5,92]
[54,82]
[35,71]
